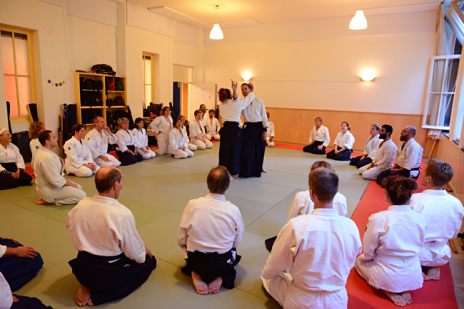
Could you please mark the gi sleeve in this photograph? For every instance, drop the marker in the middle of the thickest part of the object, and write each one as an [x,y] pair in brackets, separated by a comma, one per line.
[326,137]
[172,140]
[6,298]
[349,142]
[52,173]
[387,156]
[312,135]
[121,142]
[413,153]
[71,154]
[131,243]
[112,139]
[19,158]
[90,157]
[264,116]
[92,144]
[2,250]
[239,228]
[371,239]
[155,125]
[296,206]
[182,233]
[272,133]
[248,99]
[375,147]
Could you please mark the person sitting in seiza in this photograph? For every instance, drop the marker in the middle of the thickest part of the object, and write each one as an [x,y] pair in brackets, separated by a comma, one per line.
[50,183]
[127,144]
[141,136]
[112,261]
[372,144]
[210,230]
[98,139]
[320,249]
[270,138]
[79,159]
[197,133]
[343,145]
[213,126]
[191,146]
[35,129]
[443,214]
[319,138]
[178,141]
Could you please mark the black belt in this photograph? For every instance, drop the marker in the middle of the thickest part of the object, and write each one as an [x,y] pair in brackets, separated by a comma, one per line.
[231,122]
[412,169]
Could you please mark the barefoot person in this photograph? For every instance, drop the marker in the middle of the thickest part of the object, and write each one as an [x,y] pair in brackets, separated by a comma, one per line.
[112,261]
[79,160]
[210,230]
[392,242]
[98,139]
[12,165]
[320,249]
[443,214]
[50,183]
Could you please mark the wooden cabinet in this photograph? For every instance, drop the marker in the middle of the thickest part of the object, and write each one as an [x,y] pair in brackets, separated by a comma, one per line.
[83,95]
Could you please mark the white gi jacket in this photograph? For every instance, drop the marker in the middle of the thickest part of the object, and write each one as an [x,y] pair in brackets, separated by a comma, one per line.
[321,135]
[48,170]
[230,110]
[35,146]
[125,138]
[102,226]
[195,129]
[6,298]
[346,140]
[392,242]
[410,156]
[385,155]
[178,139]
[256,112]
[270,129]
[443,214]
[372,144]
[141,137]
[321,249]
[77,154]
[161,125]
[303,205]
[11,154]
[214,127]
[99,143]
[210,224]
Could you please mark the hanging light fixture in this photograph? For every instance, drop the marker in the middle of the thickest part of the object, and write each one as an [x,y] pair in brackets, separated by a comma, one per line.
[359,21]
[216,32]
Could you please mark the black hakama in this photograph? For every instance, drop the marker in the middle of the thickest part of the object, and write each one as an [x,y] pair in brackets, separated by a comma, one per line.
[209,266]
[253,147]
[344,155]
[8,182]
[313,148]
[356,161]
[128,158]
[18,271]
[383,176]
[28,303]
[230,146]
[110,278]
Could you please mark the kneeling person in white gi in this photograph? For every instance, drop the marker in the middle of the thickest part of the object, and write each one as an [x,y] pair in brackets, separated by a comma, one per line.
[210,230]
[52,186]
[112,261]
[178,141]
[443,214]
[320,248]
[392,242]
[197,133]
[79,159]
[213,126]
[98,140]
[270,138]
[141,137]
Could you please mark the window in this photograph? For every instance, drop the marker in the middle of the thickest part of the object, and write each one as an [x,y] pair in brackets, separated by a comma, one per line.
[148,78]
[18,71]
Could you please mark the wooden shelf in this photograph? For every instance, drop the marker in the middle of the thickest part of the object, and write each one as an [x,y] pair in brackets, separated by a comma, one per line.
[92,107]
[115,91]
[92,90]
[117,106]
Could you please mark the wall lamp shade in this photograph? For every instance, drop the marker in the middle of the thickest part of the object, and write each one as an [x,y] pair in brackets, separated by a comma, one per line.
[216,33]
[246,76]
[359,21]
[368,76]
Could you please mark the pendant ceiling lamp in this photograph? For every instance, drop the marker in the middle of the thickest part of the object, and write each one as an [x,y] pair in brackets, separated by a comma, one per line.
[216,32]
[359,21]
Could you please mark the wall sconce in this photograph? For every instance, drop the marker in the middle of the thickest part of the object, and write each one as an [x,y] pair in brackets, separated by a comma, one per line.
[246,76]
[367,76]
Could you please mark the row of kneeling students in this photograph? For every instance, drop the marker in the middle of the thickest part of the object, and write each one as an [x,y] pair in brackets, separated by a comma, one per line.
[402,246]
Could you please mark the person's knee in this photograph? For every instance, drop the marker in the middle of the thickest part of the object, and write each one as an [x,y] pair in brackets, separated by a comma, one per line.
[201,147]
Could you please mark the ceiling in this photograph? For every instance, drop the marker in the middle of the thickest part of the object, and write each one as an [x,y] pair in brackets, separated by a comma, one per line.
[273,11]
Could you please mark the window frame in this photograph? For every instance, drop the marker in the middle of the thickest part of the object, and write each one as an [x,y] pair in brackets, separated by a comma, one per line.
[30,50]
[152,84]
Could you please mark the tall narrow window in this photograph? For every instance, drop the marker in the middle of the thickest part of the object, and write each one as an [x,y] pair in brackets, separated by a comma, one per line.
[148,78]
[18,70]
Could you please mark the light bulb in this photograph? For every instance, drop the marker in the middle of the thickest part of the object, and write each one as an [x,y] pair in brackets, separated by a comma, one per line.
[358,22]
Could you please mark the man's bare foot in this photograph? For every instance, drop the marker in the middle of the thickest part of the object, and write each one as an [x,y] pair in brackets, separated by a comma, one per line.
[83,296]
[425,276]
[202,288]
[40,201]
[397,299]
[213,287]
[434,273]
[264,170]
[407,297]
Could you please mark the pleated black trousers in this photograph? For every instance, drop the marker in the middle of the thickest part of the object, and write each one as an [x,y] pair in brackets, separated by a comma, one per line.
[230,147]
[253,147]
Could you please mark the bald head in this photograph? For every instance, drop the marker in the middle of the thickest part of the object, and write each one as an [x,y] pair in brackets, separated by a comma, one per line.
[218,180]
[411,130]
[106,177]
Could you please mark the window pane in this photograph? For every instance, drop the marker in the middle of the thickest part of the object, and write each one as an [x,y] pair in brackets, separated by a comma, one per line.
[438,72]
[432,113]
[10,89]
[445,110]
[22,55]
[451,75]
[147,64]
[147,93]
[7,52]
[24,89]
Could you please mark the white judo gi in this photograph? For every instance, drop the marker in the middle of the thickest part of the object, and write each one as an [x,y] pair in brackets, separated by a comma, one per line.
[6,298]
[99,147]
[11,154]
[77,154]
[392,242]
[303,205]
[126,138]
[35,146]
[271,133]
[372,145]
[409,156]
[142,139]
[383,160]
[321,249]
[212,128]
[178,140]
[443,214]
[321,135]
[162,127]
[50,181]
[195,130]
[344,140]
[191,146]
